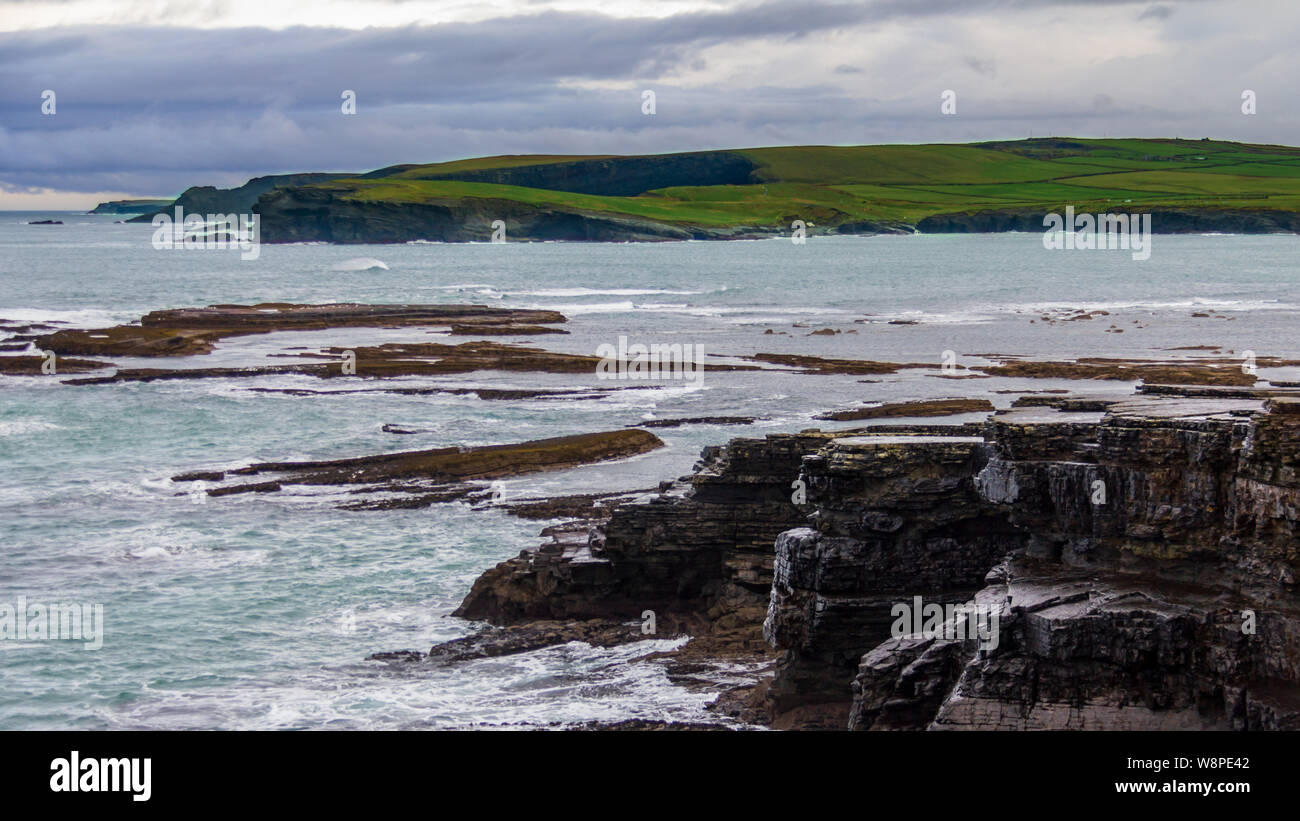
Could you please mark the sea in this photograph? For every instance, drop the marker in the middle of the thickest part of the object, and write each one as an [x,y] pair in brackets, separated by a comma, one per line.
[258,611]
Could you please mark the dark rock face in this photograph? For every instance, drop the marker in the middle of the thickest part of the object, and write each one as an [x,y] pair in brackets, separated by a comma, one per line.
[320,215]
[32,365]
[1156,590]
[620,176]
[874,227]
[1135,558]
[696,557]
[1201,491]
[698,553]
[1113,651]
[309,214]
[1164,220]
[897,516]
[703,547]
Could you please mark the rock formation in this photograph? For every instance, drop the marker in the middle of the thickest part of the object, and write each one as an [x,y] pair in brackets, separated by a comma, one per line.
[425,477]
[1135,557]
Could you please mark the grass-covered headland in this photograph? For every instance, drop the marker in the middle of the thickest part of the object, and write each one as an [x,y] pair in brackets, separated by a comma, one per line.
[1188,185]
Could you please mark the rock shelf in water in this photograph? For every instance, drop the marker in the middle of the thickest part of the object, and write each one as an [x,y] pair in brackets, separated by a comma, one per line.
[189,331]
[439,472]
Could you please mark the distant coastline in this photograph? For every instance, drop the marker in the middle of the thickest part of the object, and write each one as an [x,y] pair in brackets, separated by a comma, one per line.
[1188,186]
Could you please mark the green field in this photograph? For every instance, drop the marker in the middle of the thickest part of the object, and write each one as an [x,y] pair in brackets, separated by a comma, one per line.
[903,183]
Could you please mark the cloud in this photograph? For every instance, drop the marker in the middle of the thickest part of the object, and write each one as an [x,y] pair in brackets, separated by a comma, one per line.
[153,110]
[1157,13]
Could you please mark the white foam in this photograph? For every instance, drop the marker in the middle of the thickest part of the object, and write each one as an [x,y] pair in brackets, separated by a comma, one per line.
[82,318]
[1140,304]
[151,552]
[18,427]
[361,264]
[571,292]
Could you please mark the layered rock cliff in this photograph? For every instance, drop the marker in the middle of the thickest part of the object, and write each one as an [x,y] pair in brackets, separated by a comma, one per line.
[895,516]
[310,214]
[700,549]
[1133,564]
[1150,586]
[1164,220]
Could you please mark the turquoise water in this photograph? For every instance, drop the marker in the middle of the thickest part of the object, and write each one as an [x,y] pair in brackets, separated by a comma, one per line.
[257,611]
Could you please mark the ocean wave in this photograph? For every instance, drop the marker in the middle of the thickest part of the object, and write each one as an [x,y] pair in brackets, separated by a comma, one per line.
[572,292]
[477,288]
[360,264]
[686,309]
[18,427]
[958,317]
[566,684]
[78,318]
[1219,303]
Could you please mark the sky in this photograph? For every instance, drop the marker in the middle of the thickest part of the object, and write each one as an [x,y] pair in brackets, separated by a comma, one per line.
[153,96]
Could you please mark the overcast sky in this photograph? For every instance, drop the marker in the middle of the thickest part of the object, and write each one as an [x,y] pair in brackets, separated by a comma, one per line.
[153,96]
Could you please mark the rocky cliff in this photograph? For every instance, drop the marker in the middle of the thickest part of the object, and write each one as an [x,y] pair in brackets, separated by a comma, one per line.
[1147,580]
[895,516]
[131,207]
[699,549]
[207,199]
[1134,564]
[307,214]
[1164,220]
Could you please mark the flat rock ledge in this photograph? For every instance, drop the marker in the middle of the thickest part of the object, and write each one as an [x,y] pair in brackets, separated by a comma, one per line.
[419,478]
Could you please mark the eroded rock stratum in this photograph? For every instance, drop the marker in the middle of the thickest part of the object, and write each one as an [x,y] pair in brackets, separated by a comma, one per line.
[1140,557]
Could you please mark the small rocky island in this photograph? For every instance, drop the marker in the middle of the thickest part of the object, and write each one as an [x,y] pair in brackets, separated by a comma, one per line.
[1140,552]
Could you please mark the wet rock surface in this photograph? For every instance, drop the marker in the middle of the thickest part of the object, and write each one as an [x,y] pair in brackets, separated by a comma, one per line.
[923,407]
[27,365]
[189,331]
[435,475]
[695,420]
[1212,372]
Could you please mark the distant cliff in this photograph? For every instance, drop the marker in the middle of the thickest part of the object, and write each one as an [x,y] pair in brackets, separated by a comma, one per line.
[130,206]
[1164,220]
[1185,186]
[205,199]
[309,214]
